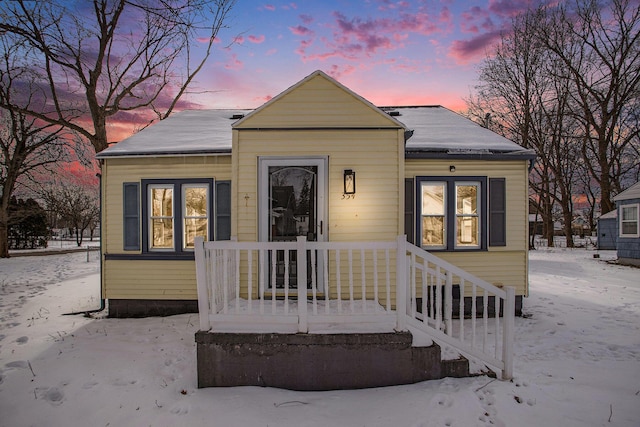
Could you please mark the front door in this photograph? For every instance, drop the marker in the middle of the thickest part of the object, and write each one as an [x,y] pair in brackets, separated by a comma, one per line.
[292,204]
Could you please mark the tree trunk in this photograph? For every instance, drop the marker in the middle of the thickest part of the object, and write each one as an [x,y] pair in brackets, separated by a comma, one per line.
[4,231]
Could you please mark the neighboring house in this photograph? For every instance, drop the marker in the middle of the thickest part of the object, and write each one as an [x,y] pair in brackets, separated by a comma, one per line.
[320,164]
[628,208]
[608,230]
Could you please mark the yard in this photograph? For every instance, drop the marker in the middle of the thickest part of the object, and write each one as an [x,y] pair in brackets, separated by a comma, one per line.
[577,360]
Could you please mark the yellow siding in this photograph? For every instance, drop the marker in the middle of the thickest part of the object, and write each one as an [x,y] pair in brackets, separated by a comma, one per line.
[373,214]
[505,265]
[115,172]
[127,279]
[148,279]
[317,102]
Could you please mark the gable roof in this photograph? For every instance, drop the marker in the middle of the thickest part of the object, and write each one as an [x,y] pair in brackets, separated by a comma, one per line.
[317,101]
[632,192]
[430,131]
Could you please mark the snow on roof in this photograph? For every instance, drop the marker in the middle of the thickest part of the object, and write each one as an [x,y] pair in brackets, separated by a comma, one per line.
[438,129]
[186,132]
[632,192]
[609,215]
[435,130]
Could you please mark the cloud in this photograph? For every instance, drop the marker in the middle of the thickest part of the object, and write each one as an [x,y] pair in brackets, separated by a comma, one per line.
[256,39]
[269,7]
[464,51]
[354,38]
[510,8]
[300,30]
[306,19]
[234,63]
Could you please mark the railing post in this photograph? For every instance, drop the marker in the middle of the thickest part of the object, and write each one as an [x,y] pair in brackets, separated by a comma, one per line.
[508,332]
[448,303]
[301,259]
[401,283]
[202,282]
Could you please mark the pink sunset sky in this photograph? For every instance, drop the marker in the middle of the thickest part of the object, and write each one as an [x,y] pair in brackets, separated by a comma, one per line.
[390,52]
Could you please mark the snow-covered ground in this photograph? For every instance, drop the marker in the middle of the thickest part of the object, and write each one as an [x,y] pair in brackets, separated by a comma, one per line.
[577,360]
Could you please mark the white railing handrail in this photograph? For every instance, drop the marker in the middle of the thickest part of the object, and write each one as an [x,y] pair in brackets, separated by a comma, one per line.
[361,280]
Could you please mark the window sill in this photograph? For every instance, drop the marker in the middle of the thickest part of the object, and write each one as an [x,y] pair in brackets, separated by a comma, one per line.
[152,256]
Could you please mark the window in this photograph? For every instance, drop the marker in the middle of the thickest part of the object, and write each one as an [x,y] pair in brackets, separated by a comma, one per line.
[629,219]
[175,212]
[196,213]
[162,217]
[452,213]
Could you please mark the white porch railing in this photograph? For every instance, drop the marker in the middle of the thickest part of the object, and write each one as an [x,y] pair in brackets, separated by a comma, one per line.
[351,287]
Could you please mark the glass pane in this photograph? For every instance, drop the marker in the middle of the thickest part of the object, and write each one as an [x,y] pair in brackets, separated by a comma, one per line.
[293,197]
[195,199]
[161,202]
[466,199]
[193,228]
[467,231]
[433,231]
[630,228]
[433,198]
[629,213]
[162,230]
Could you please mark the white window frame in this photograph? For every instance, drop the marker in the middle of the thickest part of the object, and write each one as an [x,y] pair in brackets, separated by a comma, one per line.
[185,217]
[635,220]
[151,217]
[445,220]
[478,214]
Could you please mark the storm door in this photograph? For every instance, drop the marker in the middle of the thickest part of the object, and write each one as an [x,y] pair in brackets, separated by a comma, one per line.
[292,204]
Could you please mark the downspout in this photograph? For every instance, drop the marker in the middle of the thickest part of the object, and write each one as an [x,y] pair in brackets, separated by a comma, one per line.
[88,313]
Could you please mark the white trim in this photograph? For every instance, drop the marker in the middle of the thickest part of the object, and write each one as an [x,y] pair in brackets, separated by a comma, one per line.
[149,189]
[183,208]
[322,164]
[636,220]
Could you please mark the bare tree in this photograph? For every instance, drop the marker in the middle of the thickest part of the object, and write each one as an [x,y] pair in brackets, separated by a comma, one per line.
[600,48]
[76,203]
[566,82]
[28,145]
[527,104]
[106,57]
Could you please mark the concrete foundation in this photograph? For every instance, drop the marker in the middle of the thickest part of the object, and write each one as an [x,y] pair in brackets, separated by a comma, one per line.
[318,361]
[126,308]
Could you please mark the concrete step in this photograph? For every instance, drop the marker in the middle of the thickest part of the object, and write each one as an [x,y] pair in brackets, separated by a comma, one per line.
[319,361]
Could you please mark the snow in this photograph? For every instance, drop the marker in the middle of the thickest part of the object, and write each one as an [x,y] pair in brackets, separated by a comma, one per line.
[577,360]
[190,132]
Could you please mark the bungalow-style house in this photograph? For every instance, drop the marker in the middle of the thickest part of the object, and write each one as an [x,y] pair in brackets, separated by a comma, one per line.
[395,218]
[628,242]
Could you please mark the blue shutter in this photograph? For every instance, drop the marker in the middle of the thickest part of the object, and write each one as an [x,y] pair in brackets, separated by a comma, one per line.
[131,216]
[497,212]
[409,209]
[223,210]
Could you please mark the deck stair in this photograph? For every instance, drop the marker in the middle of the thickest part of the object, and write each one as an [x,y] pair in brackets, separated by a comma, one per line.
[352,302]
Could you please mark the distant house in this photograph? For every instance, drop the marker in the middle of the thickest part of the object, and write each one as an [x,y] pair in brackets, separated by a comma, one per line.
[608,230]
[628,208]
[321,174]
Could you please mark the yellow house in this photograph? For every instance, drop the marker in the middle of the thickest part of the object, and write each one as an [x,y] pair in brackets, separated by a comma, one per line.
[319,162]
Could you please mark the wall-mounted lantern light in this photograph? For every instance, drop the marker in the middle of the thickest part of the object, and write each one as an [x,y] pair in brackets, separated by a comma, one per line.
[452,168]
[349,181]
